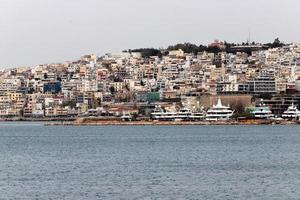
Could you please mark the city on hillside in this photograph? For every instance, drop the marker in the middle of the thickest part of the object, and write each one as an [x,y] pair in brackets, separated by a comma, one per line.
[219,81]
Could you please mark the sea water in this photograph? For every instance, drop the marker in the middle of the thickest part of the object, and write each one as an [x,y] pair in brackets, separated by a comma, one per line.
[149,162]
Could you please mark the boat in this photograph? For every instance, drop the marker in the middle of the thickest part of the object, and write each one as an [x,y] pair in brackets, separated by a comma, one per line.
[262,112]
[219,112]
[184,114]
[197,116]
[126,117]
[291,113]
[160,115]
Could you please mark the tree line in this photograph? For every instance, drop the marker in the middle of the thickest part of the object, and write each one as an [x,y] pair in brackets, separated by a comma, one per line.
[195,49]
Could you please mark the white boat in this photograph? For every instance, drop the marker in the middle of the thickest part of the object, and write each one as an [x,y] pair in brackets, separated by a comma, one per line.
[126,117]
[291,113]
[262,112]
[219,112]
[184,114]
[161,115]
[197,116]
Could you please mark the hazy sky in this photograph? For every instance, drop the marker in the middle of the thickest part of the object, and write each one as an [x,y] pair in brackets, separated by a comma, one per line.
[45,31]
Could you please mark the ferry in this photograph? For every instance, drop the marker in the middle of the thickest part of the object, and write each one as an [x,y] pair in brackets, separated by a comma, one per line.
[219,112]
[291,113]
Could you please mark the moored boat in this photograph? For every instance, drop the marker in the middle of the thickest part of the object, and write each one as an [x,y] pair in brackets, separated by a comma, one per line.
[291,113]
[219,112]
[262,112]
[184,114]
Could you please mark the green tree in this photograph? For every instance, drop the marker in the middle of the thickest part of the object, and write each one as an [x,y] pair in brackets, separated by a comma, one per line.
[70,103]
[112,89]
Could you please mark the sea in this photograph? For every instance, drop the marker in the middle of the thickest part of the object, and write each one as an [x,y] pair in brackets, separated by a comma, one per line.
[149,162]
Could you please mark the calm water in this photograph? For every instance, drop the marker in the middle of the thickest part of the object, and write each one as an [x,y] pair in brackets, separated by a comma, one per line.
[186,162]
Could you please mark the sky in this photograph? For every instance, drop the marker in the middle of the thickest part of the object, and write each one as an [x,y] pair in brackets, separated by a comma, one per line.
[47,31]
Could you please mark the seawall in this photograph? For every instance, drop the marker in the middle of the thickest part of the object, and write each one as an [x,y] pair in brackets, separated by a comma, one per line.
[101,122]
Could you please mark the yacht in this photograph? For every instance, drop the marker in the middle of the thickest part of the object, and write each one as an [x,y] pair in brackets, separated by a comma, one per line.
[291,113]
[187,115]
[126,117]
[219,112]
[160,115]
[184,114]
[262,112]
[197,116]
